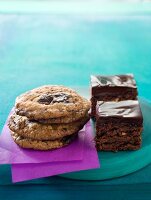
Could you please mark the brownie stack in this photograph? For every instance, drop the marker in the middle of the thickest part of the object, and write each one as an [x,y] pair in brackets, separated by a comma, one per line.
[117,112]
[48,117]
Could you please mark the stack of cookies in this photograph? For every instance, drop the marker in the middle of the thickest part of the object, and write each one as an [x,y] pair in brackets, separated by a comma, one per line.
[48,117]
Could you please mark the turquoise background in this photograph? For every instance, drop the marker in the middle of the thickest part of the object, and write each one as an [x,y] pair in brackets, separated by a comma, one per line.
[51,49]
[44,49]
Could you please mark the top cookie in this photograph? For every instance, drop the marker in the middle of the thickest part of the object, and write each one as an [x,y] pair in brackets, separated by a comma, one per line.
[50,101]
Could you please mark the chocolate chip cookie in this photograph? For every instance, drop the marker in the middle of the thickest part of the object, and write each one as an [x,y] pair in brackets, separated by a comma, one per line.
[49,102]
[37,131]
[72,117]
[48,117]
[40,144]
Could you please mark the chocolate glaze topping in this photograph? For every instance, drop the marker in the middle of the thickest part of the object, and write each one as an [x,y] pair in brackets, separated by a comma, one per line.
[111,81]
[54,98]
[121,109]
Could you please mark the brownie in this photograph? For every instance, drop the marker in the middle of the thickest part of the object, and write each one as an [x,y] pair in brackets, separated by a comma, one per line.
[112,88]
[118,125]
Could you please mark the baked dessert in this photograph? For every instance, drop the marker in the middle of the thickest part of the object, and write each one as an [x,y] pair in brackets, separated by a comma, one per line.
[48,117]
[42,144]
[112,88]
[26,128]
[49,102]
[119,125]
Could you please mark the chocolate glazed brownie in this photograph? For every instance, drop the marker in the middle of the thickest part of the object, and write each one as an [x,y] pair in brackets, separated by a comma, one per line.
[112,88]
[118,125]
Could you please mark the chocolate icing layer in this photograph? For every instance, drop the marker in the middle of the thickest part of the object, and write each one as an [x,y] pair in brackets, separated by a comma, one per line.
[112,84]
[129,109]
[117,80]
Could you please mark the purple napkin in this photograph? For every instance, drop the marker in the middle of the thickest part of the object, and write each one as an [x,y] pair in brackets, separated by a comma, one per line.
[22,172]
[11,153]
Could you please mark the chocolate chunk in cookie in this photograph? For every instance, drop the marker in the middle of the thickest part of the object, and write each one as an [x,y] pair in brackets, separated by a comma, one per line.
[48,99]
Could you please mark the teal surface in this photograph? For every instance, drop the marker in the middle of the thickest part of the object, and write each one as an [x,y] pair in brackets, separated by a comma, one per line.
[49,49]
[118,164]
[44,49]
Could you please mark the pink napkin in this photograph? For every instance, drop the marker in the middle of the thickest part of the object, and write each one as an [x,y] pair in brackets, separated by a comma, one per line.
[11,153]
[22,172]
[30,164]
